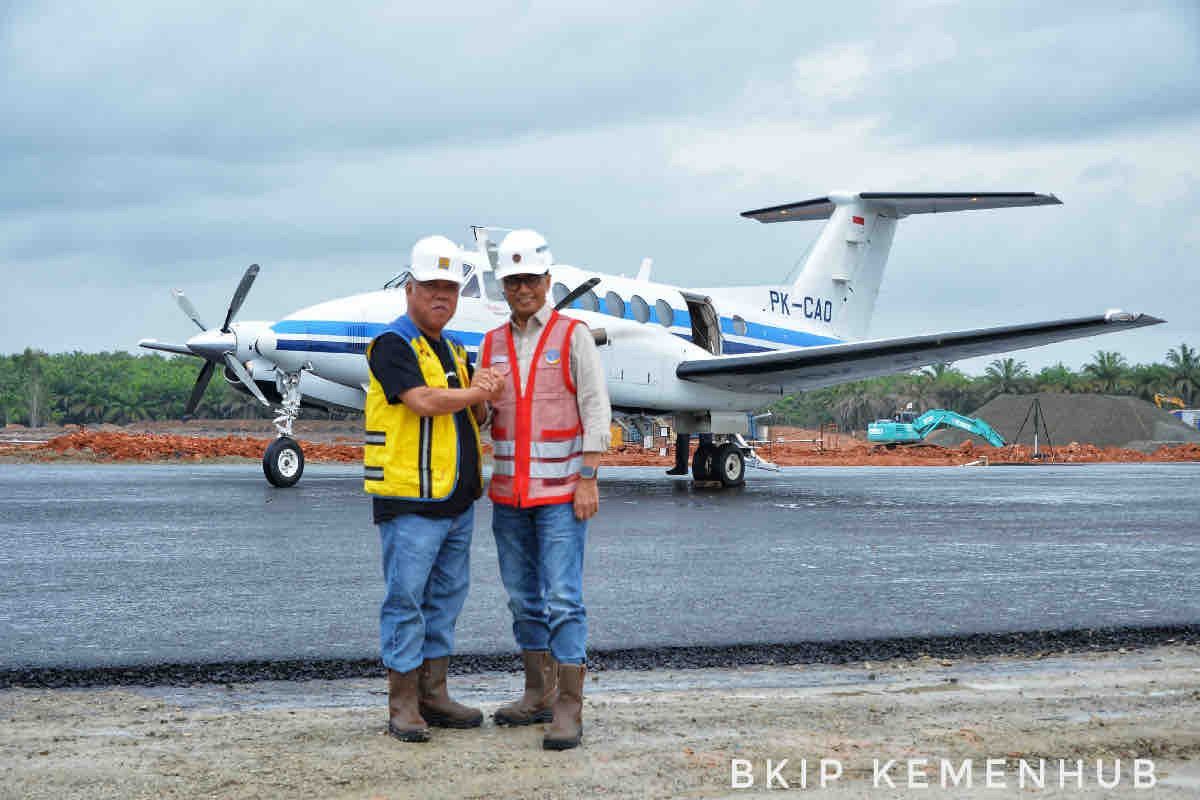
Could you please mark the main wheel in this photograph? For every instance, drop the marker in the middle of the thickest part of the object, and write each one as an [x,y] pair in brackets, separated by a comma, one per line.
[283,463]
[730,465]
[704,463]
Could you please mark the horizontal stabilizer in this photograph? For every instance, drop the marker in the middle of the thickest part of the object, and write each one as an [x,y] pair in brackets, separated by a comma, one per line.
[901,204]
[788,371]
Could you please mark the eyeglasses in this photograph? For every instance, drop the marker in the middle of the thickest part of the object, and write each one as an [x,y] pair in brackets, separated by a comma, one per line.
[514,282]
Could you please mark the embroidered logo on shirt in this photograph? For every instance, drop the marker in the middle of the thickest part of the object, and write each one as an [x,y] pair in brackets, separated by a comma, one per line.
[553,356]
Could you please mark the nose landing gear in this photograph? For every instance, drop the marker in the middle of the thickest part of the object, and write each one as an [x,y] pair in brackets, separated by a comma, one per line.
[283,462]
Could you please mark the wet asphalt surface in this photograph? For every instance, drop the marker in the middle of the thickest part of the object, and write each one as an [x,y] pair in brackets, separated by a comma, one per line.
[180,573]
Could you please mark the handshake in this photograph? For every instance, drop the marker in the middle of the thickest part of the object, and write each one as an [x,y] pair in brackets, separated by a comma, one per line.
[490,381]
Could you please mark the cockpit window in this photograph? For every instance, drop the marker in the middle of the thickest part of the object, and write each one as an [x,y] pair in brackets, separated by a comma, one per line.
[491,287]
[471,287]
[559,291]
[398,281]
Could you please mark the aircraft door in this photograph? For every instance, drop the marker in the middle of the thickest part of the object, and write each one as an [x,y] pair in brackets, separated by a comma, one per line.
[706,325]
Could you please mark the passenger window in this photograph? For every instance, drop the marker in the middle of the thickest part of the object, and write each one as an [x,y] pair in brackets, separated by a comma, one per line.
[471,287]
[614,304]
[739,326]
[641,311]
[558,291]
[588,301]
[666,314]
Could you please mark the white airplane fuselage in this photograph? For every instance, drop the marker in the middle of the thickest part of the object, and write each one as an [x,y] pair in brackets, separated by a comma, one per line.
[652,335]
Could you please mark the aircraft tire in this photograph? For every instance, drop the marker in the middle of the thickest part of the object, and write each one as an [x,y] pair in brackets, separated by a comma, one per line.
[283,462]
[730,465]
[704,463]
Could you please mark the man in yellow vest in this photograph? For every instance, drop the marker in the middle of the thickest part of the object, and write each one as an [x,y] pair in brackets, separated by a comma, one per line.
[421,465]
[550,427]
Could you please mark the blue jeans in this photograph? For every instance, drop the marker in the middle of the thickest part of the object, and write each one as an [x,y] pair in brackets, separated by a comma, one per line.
[427,568]
[541,565]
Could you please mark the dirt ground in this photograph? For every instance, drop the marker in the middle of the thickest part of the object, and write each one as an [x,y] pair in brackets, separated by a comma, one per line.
[208,440]
[648,734]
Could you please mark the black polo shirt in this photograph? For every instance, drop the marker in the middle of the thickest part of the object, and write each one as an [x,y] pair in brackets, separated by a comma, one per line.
[394,365]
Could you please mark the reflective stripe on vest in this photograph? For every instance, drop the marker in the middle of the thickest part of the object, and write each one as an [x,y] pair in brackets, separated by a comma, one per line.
[537,433]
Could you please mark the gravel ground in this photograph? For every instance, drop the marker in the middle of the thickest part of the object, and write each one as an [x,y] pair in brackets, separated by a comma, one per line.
[649,733]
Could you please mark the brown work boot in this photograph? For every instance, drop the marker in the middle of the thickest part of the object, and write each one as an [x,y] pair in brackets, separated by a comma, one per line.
[404,718]
[541,680]
[436,705]
[566,731]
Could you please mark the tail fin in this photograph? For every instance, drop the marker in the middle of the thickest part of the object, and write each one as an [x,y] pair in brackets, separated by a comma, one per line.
[845,265]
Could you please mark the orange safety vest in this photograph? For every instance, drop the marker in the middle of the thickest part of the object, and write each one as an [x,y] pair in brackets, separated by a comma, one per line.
[537,451]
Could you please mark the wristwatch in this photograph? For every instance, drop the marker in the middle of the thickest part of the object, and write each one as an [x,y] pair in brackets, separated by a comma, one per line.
[587,473]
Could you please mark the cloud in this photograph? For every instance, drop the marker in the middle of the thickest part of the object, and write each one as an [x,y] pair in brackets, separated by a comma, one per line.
[147,147]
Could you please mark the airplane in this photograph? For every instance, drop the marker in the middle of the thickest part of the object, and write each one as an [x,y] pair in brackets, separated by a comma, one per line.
[709,357]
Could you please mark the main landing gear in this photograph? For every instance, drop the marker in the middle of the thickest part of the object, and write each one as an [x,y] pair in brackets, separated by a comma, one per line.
[283,462]
[719,462]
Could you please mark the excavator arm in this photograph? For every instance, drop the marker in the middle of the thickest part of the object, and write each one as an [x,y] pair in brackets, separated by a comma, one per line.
[939,418]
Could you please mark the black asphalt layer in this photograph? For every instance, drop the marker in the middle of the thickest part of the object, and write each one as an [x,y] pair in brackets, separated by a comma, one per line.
[1034,643]
[108,570]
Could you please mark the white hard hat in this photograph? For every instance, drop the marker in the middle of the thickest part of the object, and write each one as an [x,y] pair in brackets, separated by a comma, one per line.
[436,258]
[523,252]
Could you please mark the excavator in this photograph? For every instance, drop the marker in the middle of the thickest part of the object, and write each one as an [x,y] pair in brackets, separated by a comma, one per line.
[908,427]
[1162,400]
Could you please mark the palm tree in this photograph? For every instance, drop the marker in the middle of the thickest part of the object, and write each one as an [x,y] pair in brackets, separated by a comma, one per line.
[1058,378]
[1107,370]
[1185,371]
[1007,376]
[949,386]
[1147,380]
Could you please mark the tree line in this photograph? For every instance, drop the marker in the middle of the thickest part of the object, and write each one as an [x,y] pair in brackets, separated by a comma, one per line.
[119,387]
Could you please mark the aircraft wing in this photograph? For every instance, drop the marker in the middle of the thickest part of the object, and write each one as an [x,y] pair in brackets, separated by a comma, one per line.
[789,371]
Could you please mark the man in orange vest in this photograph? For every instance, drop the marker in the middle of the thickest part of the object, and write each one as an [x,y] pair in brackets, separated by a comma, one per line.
[550,427]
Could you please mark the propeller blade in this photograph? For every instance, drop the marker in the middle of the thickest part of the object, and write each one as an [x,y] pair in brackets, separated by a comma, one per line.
[239,296]
[166,347]
[198,390]
[576,293]
[188,308]
[244,376]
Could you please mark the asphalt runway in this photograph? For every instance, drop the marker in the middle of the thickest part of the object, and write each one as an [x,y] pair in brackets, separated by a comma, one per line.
[140,565]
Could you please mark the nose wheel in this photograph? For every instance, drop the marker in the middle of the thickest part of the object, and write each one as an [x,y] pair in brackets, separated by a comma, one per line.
[283,463]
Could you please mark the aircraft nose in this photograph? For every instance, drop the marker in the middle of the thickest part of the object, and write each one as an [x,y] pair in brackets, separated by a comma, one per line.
[212,344]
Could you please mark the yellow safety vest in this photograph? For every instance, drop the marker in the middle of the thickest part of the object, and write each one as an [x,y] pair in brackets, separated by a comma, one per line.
[407,456]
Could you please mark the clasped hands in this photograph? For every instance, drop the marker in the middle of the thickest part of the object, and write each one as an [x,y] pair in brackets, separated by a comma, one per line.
[490,381]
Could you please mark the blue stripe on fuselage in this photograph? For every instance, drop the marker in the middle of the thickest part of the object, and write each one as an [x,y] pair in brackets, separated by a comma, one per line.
[767,337]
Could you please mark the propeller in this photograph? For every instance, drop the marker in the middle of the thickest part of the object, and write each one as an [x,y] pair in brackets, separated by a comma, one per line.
[214,346]
[244,376]
[239,296]
[576,293]
[198,389]
[188,308]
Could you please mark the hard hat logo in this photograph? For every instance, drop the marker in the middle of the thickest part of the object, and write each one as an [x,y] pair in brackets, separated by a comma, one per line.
[516,258]
[443,263]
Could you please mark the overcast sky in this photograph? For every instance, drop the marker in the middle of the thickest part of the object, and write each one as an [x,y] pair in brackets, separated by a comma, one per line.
[146,147]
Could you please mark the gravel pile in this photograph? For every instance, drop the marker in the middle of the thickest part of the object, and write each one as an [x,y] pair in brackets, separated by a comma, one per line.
[1102,420]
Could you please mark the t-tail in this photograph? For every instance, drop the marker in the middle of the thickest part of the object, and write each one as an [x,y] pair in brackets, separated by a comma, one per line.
[839,281]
